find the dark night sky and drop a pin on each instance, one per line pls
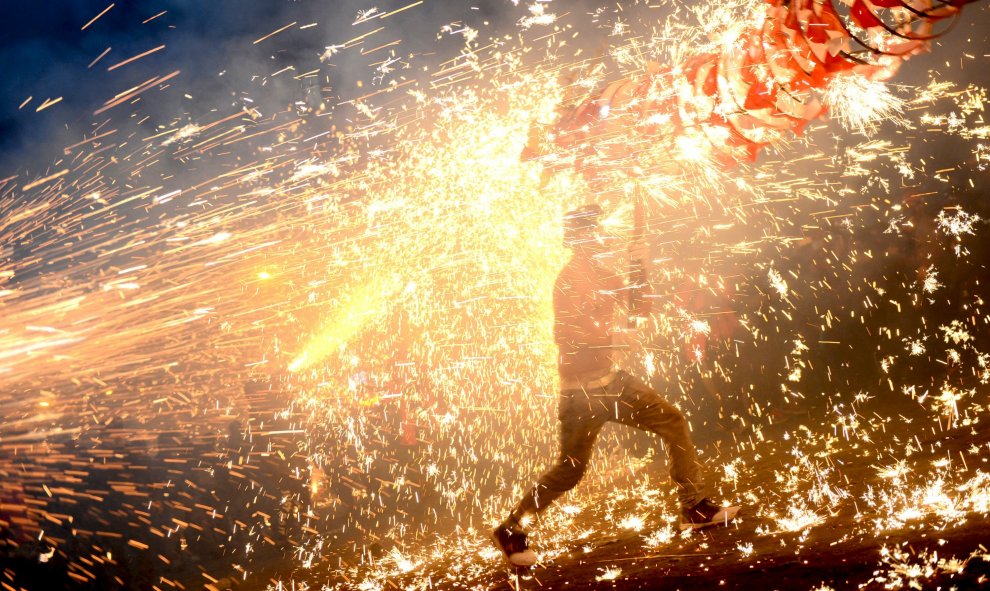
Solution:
(44, 55)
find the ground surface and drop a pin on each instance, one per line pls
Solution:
(930, 540)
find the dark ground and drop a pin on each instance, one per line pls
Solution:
(844, 551)
(835, 554)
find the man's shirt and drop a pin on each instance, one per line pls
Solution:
(584, 299)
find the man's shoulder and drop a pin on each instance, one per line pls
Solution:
(584, 276)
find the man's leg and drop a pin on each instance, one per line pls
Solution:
(578, 432)
(641, 407)
(579, 428)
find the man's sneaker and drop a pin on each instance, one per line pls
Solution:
(706, 513)
(512, 543)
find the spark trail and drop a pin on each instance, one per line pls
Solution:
(373, 308)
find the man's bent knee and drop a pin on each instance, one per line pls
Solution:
(563, 477)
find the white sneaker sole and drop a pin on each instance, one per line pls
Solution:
(723, 517)
(518, 559)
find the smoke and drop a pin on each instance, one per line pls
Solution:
(216, 47)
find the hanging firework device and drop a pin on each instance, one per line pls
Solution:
(766, 79)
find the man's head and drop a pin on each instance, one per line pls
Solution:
(581, 226)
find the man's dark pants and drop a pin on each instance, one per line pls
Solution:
(584, 411)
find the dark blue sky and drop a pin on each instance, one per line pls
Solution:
(45, 55)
